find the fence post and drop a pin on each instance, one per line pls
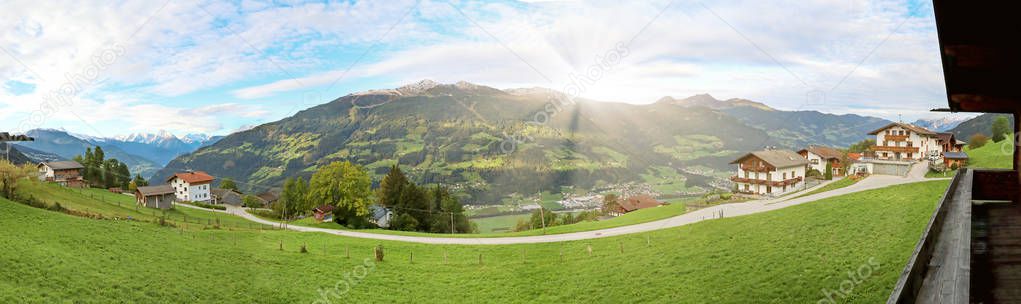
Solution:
(588, 247)
(622, 247)
(480, 259)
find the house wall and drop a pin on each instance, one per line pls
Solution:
(816, 162)
(926, 145)
(774, 174)
(191, 192)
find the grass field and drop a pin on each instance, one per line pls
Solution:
(785, 256)
(115, 205)
(844, 182)
(992, 155)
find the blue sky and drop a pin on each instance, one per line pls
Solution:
(110, 69)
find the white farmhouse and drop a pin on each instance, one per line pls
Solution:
(192, 186)
(901, 141)
(770, 172)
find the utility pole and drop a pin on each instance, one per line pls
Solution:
(542, 217)
(451, 222)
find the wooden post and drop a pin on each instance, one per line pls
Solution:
(648, 240)
(621, 247)
(444, 255)
(281, 245)
(379, 253)
(588, 247)
(411, 257)
(480, 259)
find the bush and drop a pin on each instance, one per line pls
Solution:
(726, 196)
(977, 141)
(953, 166)
(267, 214)
(813, 173)
(207, 206)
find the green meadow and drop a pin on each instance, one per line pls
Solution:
(792, 255)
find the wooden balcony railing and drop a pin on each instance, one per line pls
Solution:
(896, 137)
(778, 183)
(896, 149)
(756, 168)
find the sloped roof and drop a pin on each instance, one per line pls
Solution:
(955, 155)
(192, 177)
(324, 208)
(910, 127)
(63, 165)
(268, 196)
(776, 158)
(945, 137)
(155, 190)
(639, 202)
(824, 152)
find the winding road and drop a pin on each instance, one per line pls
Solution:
(916, 174)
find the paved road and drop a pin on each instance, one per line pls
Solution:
(916, 174)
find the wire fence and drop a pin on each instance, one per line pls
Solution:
(176, 216)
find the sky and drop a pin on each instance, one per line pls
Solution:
(111, 68)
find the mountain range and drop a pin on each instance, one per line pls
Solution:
(982, 124)
(143, 153)
(941, 124)
(488, 143)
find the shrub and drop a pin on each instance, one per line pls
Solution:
(953, 166)
(267, 214)
(977, 141)
(726, 196)
(207, 206)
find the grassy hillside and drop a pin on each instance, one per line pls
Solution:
(113, 205)
(785, 256)
(992, 155)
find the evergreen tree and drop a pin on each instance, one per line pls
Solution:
(392, 187)
(1000, 128)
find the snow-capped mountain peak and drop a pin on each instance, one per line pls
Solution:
(149, 138)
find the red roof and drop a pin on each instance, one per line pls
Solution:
(854, 156)
(638, 202)
(196, 177)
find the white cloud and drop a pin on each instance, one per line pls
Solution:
(775, 52)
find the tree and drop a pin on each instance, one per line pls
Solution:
(139, 181)
(610, 202)
(448, 212)
(392, 186)
(828, 175)
(1000, 129)
(862, 146)
(977, 141)
(9, 176)
(294, 199)
(345, 186)
(543, 218)
(228, 184)
(251, 201)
